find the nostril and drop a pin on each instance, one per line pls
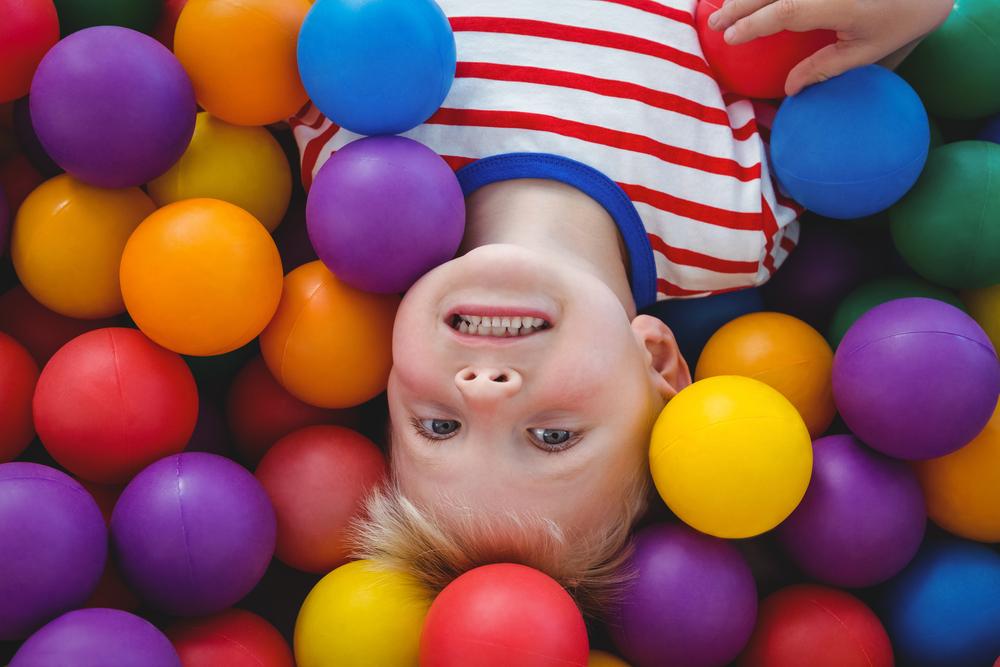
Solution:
(500, 378)
(468, 376)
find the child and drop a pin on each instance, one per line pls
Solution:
(603, 169)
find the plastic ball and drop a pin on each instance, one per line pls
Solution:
(504, 614)
(241, 57)
(193, 533)
(68, 241)
(851, 146)
(955, 69)
(984, 306)
(916, 378)
(693, 601)
(991, 131)
(942, 611)
(54, 545)
(832, 628)
(329, 345)
(782, 352)
(862, 518)
(234, 638)
(602, 659)
(112, 106)
(378, 67)
(92, 637)
(962, 489)
(379, 615)
(947, 228)
(138, 15)
(317, 479)
(866, 297)
(385, 197)
(111, 402)
(758, 68)
(18, 375)
(693, 321)
(244, 166)
(29, 29)
(730, 456)
(201, 277)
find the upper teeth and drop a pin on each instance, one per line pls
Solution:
(497, 326)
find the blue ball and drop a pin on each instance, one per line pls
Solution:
(852, 146)
(944, 609)
(693, 321)
(377, 66)
(991, 132)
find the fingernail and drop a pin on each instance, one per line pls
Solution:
(730, 34)
(714, 20)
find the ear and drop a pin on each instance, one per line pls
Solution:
(667, 367)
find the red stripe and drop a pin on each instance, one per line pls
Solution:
(456, 162)
(312, 151)
(770, 231)
(699, 260)
(688, 209)
(651, 7)
(746, 132)
(590, 36)
(598, 135)
(668, 288)
(787, 244)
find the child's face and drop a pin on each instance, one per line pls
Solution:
(554, 423)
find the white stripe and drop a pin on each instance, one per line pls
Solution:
(697, 279)
(736, 245)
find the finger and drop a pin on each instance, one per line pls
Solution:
(828, 62)
(796, 15)
(732, 11)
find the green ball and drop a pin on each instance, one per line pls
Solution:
(956, 69)
(140, 15)
(948, 227)
(866, 297)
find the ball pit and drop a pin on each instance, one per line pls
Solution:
(503, 614)
(234, 638)
(693, 601)
(18, 375)
(880, 376)
(28, 31)
(851, 146)
(730, 456)
(104, 74)
(111, 402)
(68, 242)
(138, 15)
(244, 166)
(53, 543)
(353, 58)
(385, 197)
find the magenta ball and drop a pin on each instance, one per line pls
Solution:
(97, 638)
(862, 518)
(53, 546)
(692, 604)
(193, 533)
(384, 211)
(112, 106)
(916, 378)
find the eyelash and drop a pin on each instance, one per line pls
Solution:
(423, 433)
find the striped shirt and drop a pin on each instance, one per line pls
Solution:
(622, 87)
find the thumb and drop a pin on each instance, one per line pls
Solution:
(828, 62)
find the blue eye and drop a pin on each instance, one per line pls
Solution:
(437, 429)
(553, 439)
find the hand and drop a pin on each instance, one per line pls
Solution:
(868, 31)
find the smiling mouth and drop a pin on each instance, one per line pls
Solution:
(497, 327)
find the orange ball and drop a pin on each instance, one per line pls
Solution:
(784, 353)
(329, 345)
(201, 277)
(241, 57)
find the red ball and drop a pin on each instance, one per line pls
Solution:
(317, 478)
(234, 638)
(111, 402)
(18, 375)
(260, 412)
(28, 30)
(832, 628)
(758, 68)
(501, 615)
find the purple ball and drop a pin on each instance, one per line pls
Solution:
(53, 546)
(193, 533)
(112, 106)
(97, 638)
(693, 603)
(383, 211)
(916, 378)
(862, 519)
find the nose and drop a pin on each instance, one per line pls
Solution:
(487, 384)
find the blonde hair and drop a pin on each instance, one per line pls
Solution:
(437, 545)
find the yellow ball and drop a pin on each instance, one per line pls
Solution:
(201, 277)
(241, 165)
(984, 306)
(67, 244)
(361, 616)
(731, 456)
(602, 659)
